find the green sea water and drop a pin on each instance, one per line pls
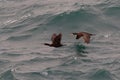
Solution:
(26, 24)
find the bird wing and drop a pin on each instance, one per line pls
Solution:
(53, 37)
(78, 36)
(56, 39)
(86, 38)
(59, 38)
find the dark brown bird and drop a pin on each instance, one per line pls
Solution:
(86, 36)
(56, 40)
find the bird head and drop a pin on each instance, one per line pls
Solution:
(74, 33)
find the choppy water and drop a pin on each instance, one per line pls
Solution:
(26, 24)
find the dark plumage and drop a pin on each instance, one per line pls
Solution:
(86, 36)
(56, 40)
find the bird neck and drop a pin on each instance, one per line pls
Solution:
(47, 44)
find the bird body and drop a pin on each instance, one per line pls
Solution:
(56, 40)
(86, 36)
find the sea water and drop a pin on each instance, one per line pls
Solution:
(26, 24)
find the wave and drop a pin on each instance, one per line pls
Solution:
(34, 76)
(79, 16)
(19, 38)
(7, 75)
(10, 54)
(101, 74)
(113, 11)
(64, 72)
(86, 18)
(26, 22)
(37, 59)
(91, 19)
(3, 62)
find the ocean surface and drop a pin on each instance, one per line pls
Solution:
(26, 24)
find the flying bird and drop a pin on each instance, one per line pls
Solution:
(86, 36)
(56, 40)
